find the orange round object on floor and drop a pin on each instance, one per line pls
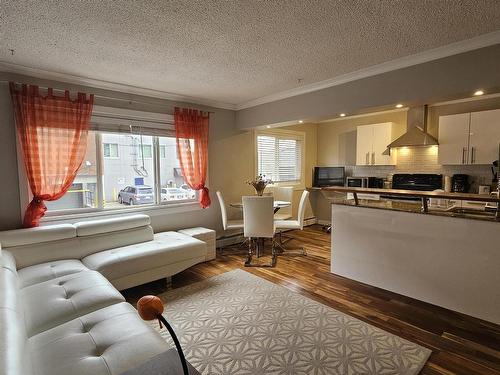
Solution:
(149, 307)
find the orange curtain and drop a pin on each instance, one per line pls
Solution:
(191, 129)
(52, 131)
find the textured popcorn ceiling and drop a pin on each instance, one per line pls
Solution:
(230, 51)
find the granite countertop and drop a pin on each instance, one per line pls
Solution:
(416, 207)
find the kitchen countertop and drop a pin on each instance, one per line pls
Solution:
(460, 209)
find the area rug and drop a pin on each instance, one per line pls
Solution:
(238, 323)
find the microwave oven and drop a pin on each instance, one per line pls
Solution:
(365, 182)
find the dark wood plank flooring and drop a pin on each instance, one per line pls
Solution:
(460, 344)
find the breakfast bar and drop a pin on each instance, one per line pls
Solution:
(446, 254)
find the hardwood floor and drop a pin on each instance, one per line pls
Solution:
(460, 344)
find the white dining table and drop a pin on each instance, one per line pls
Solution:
(277, 205)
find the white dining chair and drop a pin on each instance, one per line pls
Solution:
(228, 224)
(283, 193)
(298, 224)
(258, 224)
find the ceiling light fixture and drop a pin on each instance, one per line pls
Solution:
(342, 115)
(399, 105)
(478, 92)
(268, 126)
(301, 121)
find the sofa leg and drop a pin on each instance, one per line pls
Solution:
(168, 281)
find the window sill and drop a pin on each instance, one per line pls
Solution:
(153, 210)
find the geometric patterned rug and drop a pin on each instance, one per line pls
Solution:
(239, 323)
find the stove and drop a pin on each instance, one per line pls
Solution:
(417, 182)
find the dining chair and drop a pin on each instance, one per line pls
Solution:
(298, 224)
(227, 224)
(283, 193)
(258, 224)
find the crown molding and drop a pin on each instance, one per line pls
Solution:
(404, 109)
(106, 85)
(467, 100)
(466, 45)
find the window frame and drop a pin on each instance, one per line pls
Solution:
(284, 134)
(117, 150)
(121, 117)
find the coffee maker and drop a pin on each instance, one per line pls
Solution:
(460, 183)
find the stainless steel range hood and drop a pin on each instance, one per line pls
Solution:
(416, 134)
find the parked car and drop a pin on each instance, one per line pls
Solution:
(190, 192)
(173, 194)
(136, 194)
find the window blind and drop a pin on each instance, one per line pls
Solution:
(279, 158)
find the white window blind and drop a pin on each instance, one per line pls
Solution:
(279, 157)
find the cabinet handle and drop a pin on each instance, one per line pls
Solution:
(463, 155)
(367, 158)
(473, 155)
(373, 158)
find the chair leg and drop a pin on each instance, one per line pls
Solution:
(234, 247)
(248, 262)
(284, 251)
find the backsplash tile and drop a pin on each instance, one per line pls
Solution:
(424, 160)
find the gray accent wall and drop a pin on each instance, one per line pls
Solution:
(453, 77)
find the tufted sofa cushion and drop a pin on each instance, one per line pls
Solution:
(105, 342)
(59, 300)
(48, 271)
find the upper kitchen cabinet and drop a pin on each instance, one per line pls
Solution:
(484, 136)
(371, 144)
(469, 138)
(453, 138)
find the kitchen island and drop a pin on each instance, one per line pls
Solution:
(449, 258)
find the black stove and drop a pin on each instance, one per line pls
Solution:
(417, 182)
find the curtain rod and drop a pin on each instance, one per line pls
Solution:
(102, 96)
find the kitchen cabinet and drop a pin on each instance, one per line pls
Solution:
(371, 144)
(453, 139)
(469, 138)
(484, 136)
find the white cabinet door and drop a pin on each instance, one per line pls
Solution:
(364, 142)
(381, 138)
(484, 136)
(454, 139)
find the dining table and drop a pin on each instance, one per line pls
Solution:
(277, 206)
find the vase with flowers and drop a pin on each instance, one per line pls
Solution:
(259, 183)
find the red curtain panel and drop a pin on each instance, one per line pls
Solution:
(52, 131)
(191, 129)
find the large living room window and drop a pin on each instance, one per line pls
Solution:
(279, 156)
(129, 162)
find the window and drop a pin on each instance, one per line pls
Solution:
(174, 187)
(110, 150)
(114, 174)
(146, 151)
(279, 156)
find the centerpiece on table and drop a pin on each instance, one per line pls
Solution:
(259, 184)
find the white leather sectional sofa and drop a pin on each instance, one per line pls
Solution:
(60, 310)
